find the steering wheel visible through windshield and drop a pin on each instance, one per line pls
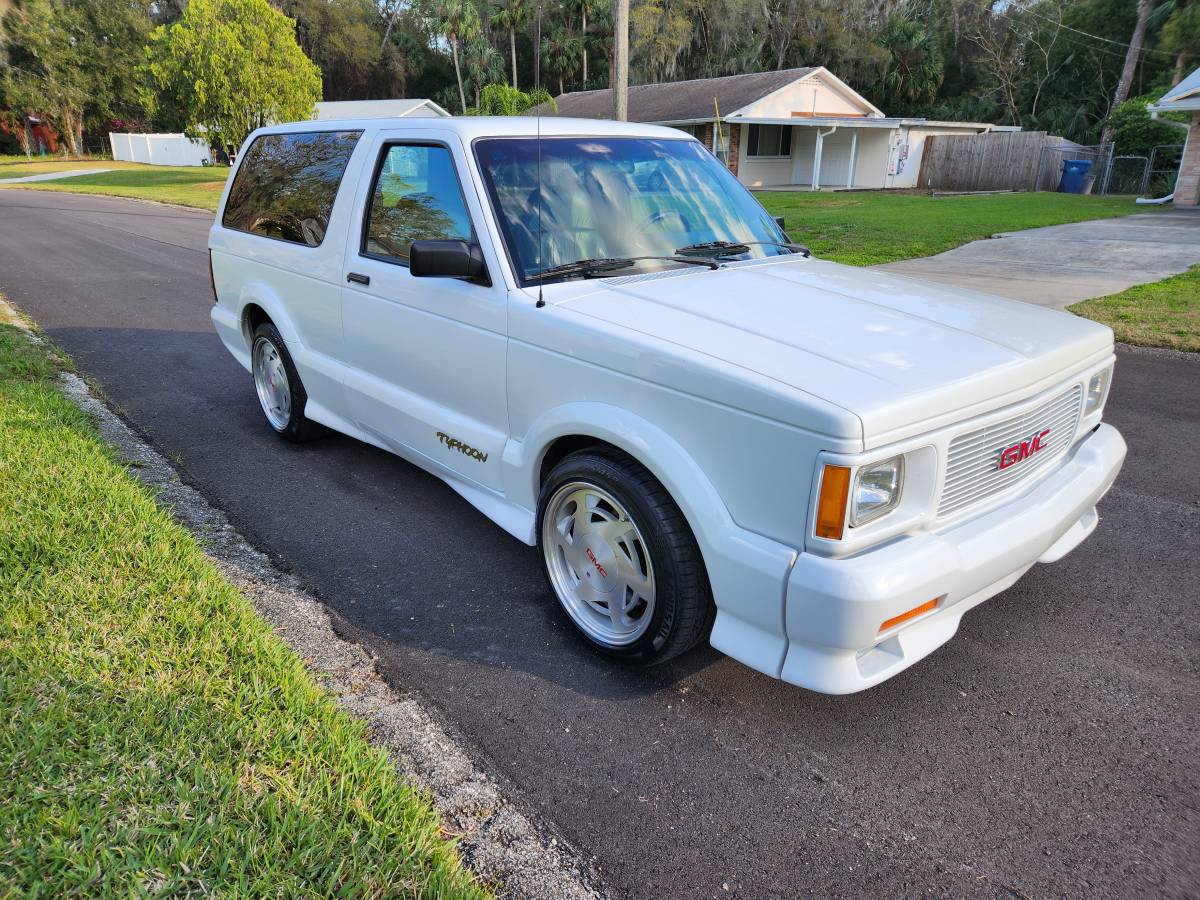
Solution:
(617, 197)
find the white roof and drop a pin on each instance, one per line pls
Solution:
(471, 127)
(1185, 95)
(376, 109)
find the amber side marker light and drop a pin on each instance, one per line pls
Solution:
(831, 506)
(911, 614)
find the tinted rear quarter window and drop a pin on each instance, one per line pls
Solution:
(286, 185)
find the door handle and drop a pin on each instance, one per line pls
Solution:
(358, 279)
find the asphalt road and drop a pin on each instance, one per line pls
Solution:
(1050, 749)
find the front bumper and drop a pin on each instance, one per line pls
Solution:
(834, 607)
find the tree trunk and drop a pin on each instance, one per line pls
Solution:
(561, 89)
(584, 42)
(462, 97)
(1131, 60)
(387, 32)
(1181, 61)
(512, 46)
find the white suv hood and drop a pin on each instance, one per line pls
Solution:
(894, 351)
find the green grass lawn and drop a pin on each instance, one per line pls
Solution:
(1160, 314)
(156, 737)
(865, 229)
(198, 186)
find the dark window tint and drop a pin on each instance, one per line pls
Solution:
(416, 197)
(769, 140)
(287, 183)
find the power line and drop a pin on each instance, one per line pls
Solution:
(1142, 49)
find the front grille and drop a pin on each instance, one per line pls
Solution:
(972, 465)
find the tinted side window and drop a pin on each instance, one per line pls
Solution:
(416, 196)
(287, 183)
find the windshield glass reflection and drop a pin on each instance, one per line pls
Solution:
(616, 197)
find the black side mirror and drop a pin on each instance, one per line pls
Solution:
(446, 259)
(780, 223)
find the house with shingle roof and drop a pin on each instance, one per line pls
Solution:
(795, 128)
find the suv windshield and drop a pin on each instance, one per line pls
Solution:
(617, 198)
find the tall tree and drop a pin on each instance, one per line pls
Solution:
(232, 66)
(587, 14)
(914, 69)
(511, 15)
(1180, 34)
(562, 51)
(1132, 54)
(483, 63)
(457, 21)
(74, 62)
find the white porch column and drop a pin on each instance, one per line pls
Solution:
(816, 175)
(853, 157)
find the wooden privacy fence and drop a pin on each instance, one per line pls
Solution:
(996, 161)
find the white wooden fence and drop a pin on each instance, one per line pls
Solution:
(158, 149)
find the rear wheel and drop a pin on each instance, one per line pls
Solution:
(280, 391)
(621, 559)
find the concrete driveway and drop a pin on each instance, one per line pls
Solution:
(1063, 264)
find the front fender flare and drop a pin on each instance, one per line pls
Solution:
(748, 572)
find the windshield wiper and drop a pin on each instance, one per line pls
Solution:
(732, 248)
(589, 267)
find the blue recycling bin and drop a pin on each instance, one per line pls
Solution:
(1073, 175)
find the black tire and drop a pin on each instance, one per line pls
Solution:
(683, 609)
(298, 428)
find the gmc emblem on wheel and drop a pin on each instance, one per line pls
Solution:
(595, 562)
(1010, 456)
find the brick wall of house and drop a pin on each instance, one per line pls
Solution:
(735, 139)
(707, 137)
(1187, 188)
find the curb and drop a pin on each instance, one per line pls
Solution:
(505, 848)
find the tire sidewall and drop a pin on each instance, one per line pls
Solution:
(297, 425)
(602, 471)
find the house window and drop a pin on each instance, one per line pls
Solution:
(769, 140)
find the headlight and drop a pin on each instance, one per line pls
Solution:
(1096, 390)
(876, 490)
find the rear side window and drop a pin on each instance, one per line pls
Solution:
(287, 183)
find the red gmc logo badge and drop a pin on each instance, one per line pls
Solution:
(1010, 456)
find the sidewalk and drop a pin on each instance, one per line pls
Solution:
(53, 176)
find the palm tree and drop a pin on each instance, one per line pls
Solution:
(457, 21)
(562, 51)
(585, 8)
(915, 67)
(511, 15)
(483, 64)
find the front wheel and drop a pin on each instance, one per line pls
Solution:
(621, 559)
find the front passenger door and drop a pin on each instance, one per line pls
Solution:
(425, 356)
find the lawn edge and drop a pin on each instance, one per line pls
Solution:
(505, 848)
(34, 186)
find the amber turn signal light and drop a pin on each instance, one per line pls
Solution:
(831, 507)
(911, 614)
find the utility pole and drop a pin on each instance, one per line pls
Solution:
(621, 60)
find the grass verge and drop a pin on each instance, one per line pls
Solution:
(157, 737)
(198, 186)
(865, 229)
(1160, 314)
